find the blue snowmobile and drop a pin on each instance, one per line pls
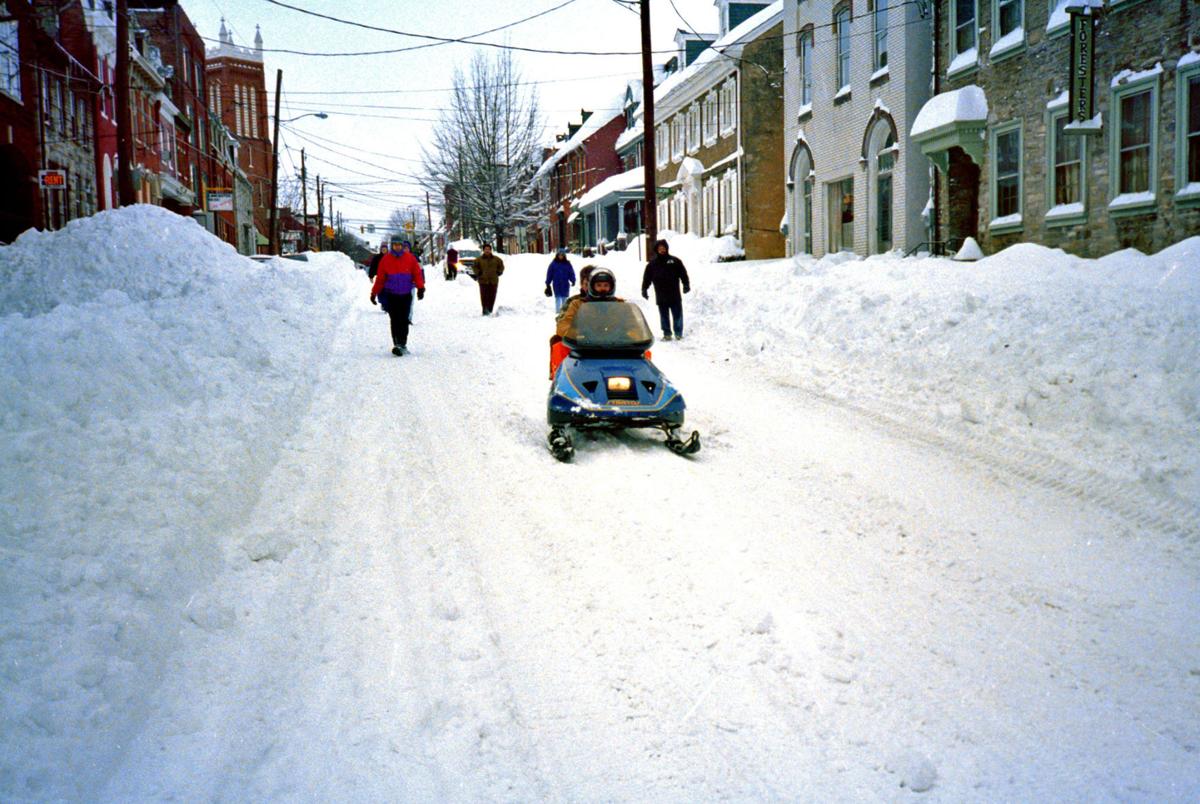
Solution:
(605, 380)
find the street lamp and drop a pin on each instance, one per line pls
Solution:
(321, 115)
(273, 237)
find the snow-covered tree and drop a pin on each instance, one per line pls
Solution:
(485, 150)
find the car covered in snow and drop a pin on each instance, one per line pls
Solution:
(468, 252)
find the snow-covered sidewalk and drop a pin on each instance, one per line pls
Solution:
(313, 570)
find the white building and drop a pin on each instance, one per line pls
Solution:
(856, 74)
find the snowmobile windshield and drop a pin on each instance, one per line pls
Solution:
(609, 326)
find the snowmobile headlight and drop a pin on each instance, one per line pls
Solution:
(619, 384)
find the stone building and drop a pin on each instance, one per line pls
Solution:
(718, 142)
(1013, 166)
(237, 95)
(856, 74)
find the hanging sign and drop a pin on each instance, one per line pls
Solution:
(1083, 62)
(52, 179)
(220, 199)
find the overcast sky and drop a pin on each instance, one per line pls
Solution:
(380, 135)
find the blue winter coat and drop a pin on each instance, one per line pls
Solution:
(560, 275)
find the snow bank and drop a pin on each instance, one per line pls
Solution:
(1091, 359)
(150, 376)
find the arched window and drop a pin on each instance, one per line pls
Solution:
(800, 186)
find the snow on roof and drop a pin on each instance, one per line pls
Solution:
(968, 104)
(736, 37)
(622, 181)
(599, 119)
(629, 135)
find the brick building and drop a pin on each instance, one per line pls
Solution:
(586, 156)
(718, 139)
(237, 87)
(856, 76)
(1010, 167)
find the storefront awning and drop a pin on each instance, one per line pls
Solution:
(952, 119)
(571, 218)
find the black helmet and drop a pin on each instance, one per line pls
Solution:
(601, 275)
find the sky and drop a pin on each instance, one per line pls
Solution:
(383, 107)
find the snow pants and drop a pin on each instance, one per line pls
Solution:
(668, 311)
(397, 306)
(487, 297)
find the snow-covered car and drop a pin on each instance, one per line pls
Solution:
(262, 257)
(468, 251)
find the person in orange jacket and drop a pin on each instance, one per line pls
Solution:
(399, 272)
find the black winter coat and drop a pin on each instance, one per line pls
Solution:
(666, 273)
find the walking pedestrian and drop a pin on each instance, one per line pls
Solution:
(488, 269)
(451, 263)
(408, 245)
(399, 272)
(373, 267)
(667, 272)
(560, 276)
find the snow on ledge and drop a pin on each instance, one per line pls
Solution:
(844, 92)
(963, 61)
(1061, 100)
(968, 104)
(804, 109)
(1095, 124)
(1129, 76)
(1010, 41)
(1190, 190)
(1006, 220)
(1064, 211)
(1125, 200)
(880, 73)
(1191, 57)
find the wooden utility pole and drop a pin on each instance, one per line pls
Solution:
(650, 196)
(429, 220)
(274, 235)
(304, 196)
(320, 214)
(125, 192)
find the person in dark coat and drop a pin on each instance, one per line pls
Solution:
(451, 263)
(373, 267)
(488, 268)
(560, 276)
(666, 272)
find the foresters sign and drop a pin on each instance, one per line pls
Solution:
(1083, 59)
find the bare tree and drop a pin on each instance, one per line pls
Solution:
(485, 150)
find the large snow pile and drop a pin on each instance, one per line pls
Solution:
(148, 376)
(1094, 361)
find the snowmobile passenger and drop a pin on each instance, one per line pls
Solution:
(560, 276)
(598, 286)
(488, 268)
(666, 272)
(398, 273)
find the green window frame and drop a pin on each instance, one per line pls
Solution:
(1066, 170)
(1187, 133)
(1007, 16)
(1133, 145)
(1006, 178)
(964, 30)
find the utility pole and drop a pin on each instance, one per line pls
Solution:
(320, 215)
(429, 220)
(274, 235)
(304, 196)
(125, 191)
(650, 197)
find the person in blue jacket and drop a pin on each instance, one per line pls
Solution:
(559, 278)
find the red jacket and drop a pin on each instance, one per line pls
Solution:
(398, 274)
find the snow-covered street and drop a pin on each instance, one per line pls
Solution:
(266, 560)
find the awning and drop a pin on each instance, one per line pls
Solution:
(571, 218)
(956, 118)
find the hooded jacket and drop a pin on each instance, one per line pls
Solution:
(398, 274)
(488, 268)
(561, 275)
(666, 273)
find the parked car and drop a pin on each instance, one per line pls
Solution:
(262, 257)
(468, 251)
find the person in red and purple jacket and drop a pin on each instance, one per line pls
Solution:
(399, 272)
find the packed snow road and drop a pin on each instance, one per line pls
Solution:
(424, 605)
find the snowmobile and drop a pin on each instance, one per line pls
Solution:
(602, 379)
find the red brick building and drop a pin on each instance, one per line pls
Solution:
(237, 88)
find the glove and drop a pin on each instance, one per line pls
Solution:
(373, 299)
(645, 294)
(687, 289)
(548, 293)
(420, 293)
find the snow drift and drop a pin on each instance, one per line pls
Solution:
(149, 376)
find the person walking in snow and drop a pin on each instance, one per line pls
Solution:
(399, 272)
(408, 245)
(451, 263)
(666, 272)
(488, 268)
(560, 276)
(373, 267)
